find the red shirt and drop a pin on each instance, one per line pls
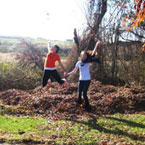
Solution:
(51, 58)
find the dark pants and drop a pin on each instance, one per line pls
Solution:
(51, 74)
(83, 88)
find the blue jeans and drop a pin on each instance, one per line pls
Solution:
(83, 88)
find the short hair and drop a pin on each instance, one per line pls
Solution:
(57, 47)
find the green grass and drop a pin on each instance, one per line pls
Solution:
(112, 129)
(9, 40)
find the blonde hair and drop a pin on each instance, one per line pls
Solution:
(90, 52)
(83, 53)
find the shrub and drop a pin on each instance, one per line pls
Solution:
(12, 75)
(31, 56)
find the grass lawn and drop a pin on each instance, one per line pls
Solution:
(111, 129)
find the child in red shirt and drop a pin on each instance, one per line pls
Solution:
(49, 66)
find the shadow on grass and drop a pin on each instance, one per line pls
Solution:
(91, 123)
(128, 122)
(25, 141)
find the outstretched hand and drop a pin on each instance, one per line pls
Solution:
(65, 74)
(99, 43)
(96, 47)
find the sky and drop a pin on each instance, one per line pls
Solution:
(50, 19)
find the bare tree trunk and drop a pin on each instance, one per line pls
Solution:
(98, 16)
(76, 39)
(95, 15)
(114, 54)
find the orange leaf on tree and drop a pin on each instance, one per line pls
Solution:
(123, 24)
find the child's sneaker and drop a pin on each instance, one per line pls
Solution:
(88, 108)
(65, 83)
(79, 101)
(48, 83)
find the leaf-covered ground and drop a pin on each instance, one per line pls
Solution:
(57, 102)
(117, 116)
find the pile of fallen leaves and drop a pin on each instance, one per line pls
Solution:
(57, 102)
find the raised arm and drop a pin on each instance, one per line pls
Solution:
(96, 47)
(48, 46)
